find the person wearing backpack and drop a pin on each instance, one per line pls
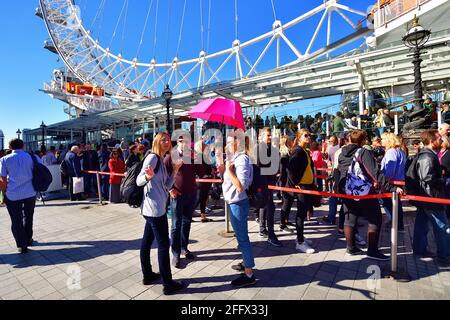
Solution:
(359, 175)
(267, 162)
(157, 182)
(300, 174)
(16, 184)
(431, 184)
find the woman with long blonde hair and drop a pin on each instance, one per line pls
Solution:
(393, 168)
(300, 174)
(156, 182)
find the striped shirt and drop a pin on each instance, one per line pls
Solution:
(18, 168)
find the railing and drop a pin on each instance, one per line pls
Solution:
(392, 9)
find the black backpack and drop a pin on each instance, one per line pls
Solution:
(257, 183)
(412, 180)
(64, 168)
(130, 192)
(42, 177)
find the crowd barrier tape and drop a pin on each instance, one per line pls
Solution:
(329, 194)
(324, 169)
(319, 193)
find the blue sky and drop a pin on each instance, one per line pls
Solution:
(25, 65)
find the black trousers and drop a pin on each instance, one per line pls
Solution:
(21, 213)
(266, 211)
(304, 202)
(156, 228)
(203, 195)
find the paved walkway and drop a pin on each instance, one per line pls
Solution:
(103, 243)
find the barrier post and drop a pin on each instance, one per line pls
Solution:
(394, 272)
(227, 233)
(99, 189)
(439, 114)
(396, 124)
(394, 232)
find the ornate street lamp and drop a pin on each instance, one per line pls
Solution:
(415, 38)
(167, 95)
(18, 132)
(43, 126)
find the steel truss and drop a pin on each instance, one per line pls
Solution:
(137, 80)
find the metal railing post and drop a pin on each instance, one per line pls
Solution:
(394, 232)
(99, 189)
(396, 124)
(227, 233)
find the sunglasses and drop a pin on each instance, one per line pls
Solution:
(307, 135)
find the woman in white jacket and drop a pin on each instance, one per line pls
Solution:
(156, 182)
(237, 177)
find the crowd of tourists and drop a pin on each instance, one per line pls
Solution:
(375, 123)
(167, 173)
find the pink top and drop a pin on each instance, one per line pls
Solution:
(317, 158)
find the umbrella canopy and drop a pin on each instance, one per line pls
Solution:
(219, 110)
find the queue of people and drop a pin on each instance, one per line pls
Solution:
(168, 178)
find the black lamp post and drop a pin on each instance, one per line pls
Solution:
(18, 132)
(167, 95)
(415, 38)
(43, 126)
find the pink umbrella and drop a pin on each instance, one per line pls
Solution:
(219, 110)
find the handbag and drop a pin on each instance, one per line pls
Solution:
(78, 185)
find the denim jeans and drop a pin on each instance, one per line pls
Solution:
(104, 186)
(21, 213)
(182, 209)
(332, 209)
(387, 205)
(438, 219)
(156, 228)
(238, 216)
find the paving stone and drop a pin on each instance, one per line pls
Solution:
(105, 246)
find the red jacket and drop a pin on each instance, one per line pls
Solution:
(116, 166)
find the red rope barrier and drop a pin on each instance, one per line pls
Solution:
(324, 169)
(104, 173)
(329, 194)
(208, 180)
(426, 199)
(317, 193)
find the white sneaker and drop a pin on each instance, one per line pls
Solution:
(308, 242)
(304, 247)
(359, 240)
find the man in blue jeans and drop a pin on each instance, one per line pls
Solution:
(432, 184)
(16, 175)
(183, 199)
